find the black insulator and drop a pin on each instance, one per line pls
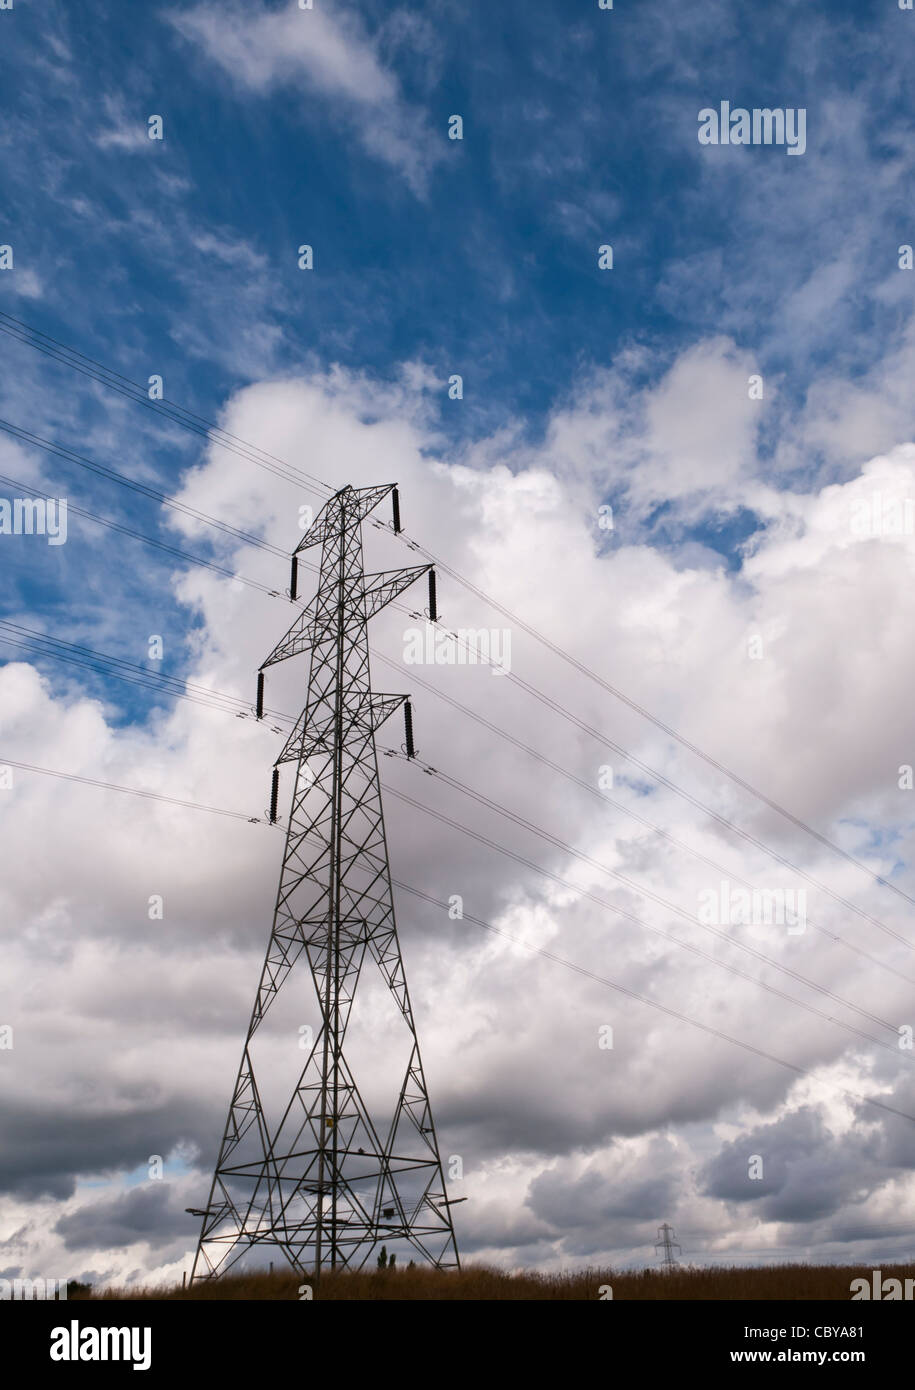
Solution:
(274, 795)
(433, 601)
(408, 728)
(294, 579)
(395, 500)
(260, 694)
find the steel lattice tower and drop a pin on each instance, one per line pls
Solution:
(668, 1245)
(314, 1173)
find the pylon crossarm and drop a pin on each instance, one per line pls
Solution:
(300, 637)
(357, 502)
(383, 706)
(374, 711)
(381, 589)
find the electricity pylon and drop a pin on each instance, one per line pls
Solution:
(668, 1244)
(315, 1169)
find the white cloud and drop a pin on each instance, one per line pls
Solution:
(24, 282)
(150, 1015)
(126, 130)
(317, 54)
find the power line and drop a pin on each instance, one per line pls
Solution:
(413, 545)
(201, 516)
(42, 342)
(133, 673)
(659, 723)
(233, 705)
(723, 821)
(176, 414)
(501, 849)
(607, 801)
(640, 921)
(237, 707)
(216, 698)
(113, 476)
(172, 682)
(652, 896)
(29, 489)
(642, 998)
(129, 680)
(131, 791)
(581, 970)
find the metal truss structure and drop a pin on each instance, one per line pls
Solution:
(322, 1174)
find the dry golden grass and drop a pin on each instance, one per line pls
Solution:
(478, 1282)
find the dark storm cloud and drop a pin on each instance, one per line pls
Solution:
(595, 1198)
(153, 1213)
(43, 1153)
(808, 1173)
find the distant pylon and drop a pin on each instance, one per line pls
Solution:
(668, 1244)
(319, 1166)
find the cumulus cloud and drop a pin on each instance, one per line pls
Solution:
(144, 1214)
(570, 1150)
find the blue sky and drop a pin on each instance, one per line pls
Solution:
(479, 257)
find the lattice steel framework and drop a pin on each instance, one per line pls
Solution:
(320, 1177)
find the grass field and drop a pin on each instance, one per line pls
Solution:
(477, 1282)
